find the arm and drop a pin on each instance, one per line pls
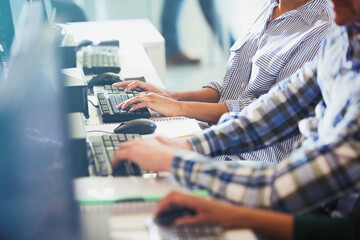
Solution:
(317, 172)
(203, 95)
(311, 175)
(270, 120)
(208, 112)
(270, 224)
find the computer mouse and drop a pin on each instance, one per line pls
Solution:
(137, 126)
(83, 43)
(102, 79)
(168, 217)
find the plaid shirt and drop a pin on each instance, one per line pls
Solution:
(323, 100)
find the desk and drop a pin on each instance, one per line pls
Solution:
(131, 225)
(140, 31)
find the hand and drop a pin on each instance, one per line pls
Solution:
(181, 143)
(142, 87)
(149, 153)
(215, 212)
(160, 104)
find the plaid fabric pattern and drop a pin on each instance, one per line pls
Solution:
(323, 99)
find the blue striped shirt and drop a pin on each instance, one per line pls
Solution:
(323, 100)
(269, 53)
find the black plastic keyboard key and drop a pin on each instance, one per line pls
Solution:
(121, 137)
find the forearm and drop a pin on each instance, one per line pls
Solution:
(208, 95)
(207, 112)
(270, 224)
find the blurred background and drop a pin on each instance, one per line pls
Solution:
(196, 39)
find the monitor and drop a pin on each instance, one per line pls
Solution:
(9, 17)
(36, 198)
(50, 10)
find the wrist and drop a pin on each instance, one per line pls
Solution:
(179, 108)
(174, 95)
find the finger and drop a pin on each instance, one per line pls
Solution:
(129, 102)
(135, 85)
(119, 155)
(176, 198)
(196, 219)
(140, 105)
(120, 105)
(122, 84)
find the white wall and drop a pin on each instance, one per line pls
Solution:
(196, 38)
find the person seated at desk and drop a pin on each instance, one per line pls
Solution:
(322, 99)
(266, 223)
(286, 34)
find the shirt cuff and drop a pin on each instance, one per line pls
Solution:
(214, 85)
(233, 105)
(183, 164)
(199, 143)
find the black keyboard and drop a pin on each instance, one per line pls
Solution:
(110, 98)
(185, 232)
(100, 59)
(101, 151)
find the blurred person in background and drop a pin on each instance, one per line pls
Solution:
(169, 22)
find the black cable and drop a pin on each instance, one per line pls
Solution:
(100, 131)
(96, 106)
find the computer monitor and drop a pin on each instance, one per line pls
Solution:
(50, 10)
(9, 17)
(36, 198)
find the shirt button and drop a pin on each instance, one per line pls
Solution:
(250, 60)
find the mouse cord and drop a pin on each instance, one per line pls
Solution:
(95, 106)
(99, 131)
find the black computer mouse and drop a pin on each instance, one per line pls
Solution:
(83, 43)
(168, 217)
(137, 126)
(102, 79)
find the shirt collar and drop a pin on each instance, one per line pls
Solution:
(310, 10)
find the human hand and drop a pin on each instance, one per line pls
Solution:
(142, 87)
(149, 153)
(157, 103)
(206, 211)
(181, 143)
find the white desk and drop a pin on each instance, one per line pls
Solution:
(138, 31)
(124, 225)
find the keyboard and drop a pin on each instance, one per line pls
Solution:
(101, 150)
(185, 232)
(110, 98)
(99, 59)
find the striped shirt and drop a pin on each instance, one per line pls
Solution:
(322, 99)
(269, 53)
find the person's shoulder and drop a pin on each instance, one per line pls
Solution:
(335, 34)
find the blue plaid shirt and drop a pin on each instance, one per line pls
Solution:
(323, 100)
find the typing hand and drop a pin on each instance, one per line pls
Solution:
(142, 87)
(157, 103)
(149, 154)
(181, 143)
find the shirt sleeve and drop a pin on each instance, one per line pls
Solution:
(271, 119)
(312, 174)
(309, 176)
(325, 228)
